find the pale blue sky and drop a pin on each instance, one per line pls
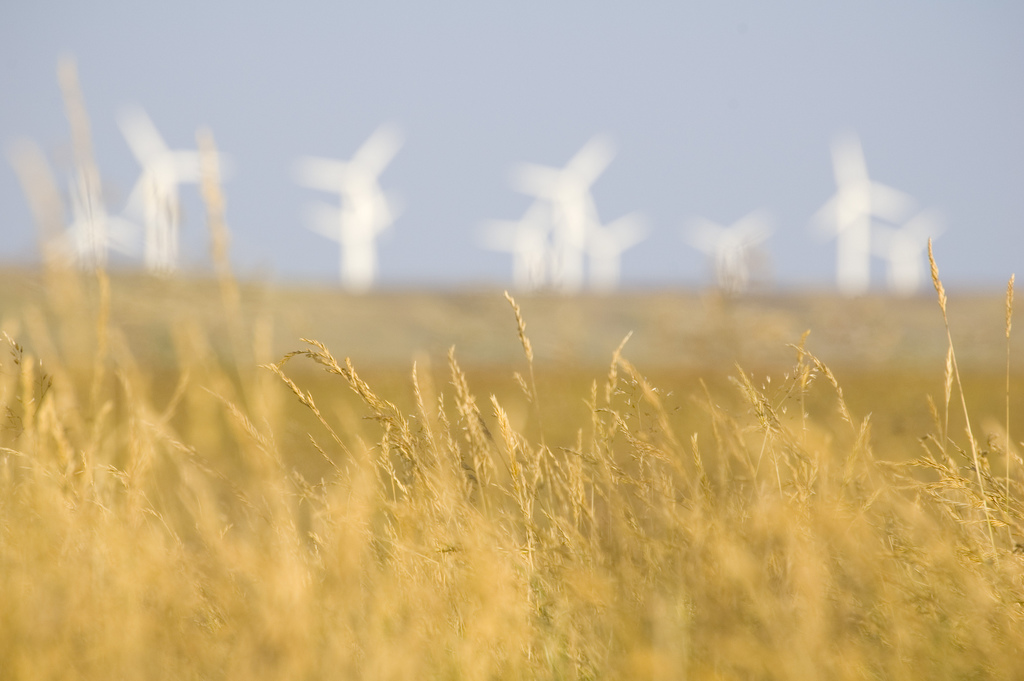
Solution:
(717, 109)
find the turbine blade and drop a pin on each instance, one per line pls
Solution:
(848, 160)
(628, 230)
(927, 224)
(321, 173)
(378, 150)
(184, 165)
(136, 203)
(704, 235)
(890, 204)
(753, 228)
(535, 180)
(143, 138)
(592, 160)
(324, 219)
(824, 220)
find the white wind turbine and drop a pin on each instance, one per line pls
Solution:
(606, 246)
(527, 239)
(729, 247)
(904, 248)
(365, 210)
(852, 211)
(155, 196)
(574, 214)
(93, 231)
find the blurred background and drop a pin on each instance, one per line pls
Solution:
(713, 110)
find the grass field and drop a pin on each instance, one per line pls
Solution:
(190, 491)
(460, 486)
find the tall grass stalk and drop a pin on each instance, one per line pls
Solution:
(1007, 447)
(954, 371)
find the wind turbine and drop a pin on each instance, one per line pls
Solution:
(365, 210)
(852, 211)
(155, 195)
(729, 247)
(904, 249)
(93, 232)
(527, 239)
(574, 214)
(606, 246)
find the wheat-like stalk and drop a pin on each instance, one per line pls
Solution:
(955, 372)
(530, 389)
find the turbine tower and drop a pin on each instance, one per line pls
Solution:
(852, 211)
(606, 246)
(903, 248)
(365, 210)
(574, 215)
(729, 247)
(154, 198)
(527, 239)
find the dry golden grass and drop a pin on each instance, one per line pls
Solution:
(224, 513)
(226, 521)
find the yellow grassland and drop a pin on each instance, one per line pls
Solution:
(206, 508)
(188, 490)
